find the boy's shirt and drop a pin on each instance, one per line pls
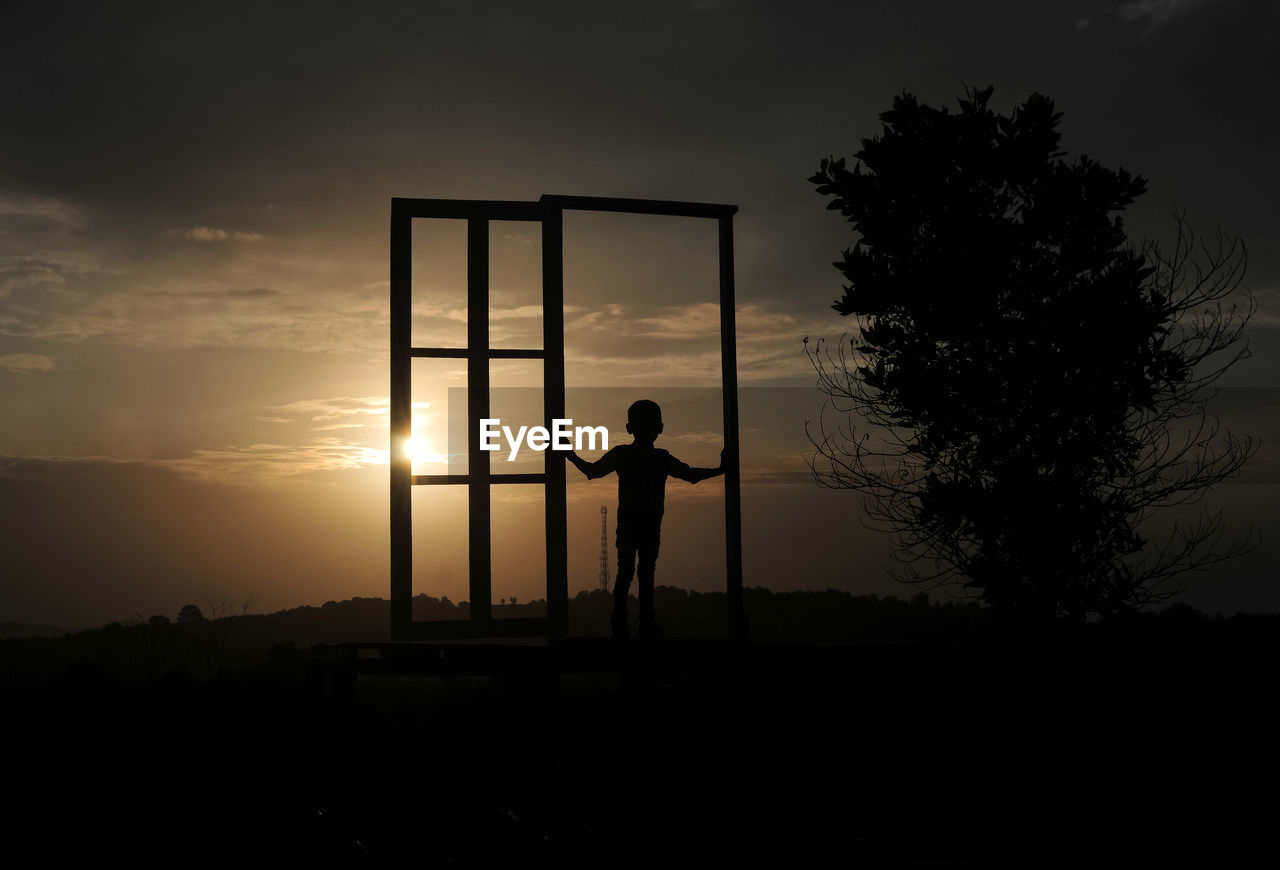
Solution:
(642, 481)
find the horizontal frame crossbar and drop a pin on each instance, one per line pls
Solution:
(640, 206)
(513, 210)
(465, 209)
(463, 353)
(538, 477)
(461, 629)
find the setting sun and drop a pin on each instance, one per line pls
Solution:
(418, 449)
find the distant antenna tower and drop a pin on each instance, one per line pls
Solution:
(604, 547)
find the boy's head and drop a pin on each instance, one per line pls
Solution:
(644, 420)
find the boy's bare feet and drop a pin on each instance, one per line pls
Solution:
(618, 628)
(650, 629)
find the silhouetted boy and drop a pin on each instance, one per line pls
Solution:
(642, 479)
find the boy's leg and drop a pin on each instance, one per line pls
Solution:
(622, 585)
(647, 550)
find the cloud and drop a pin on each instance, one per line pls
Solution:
(215, 234)
(235, 293)
(705, 436)
(206, 234)
(1268, 313)
(296, 298)
(518, 313)
(1157, 13)
(774, 477)
(618, 344)
(307, 437)
(300, 299)
(60, 282)
(46, 208)
(336, 426)
(205, 317)
(26, 363)
(262, 464)
(335, 408)
(350, 435)
(259, 464)
(251, 293)
(42, 245)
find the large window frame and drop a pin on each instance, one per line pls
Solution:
(549, 212)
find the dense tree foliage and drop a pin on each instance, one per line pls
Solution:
(1025, 386)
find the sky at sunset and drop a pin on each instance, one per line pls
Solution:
(194, 209)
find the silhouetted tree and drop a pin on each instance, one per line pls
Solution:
(1036, 383)
(190, 613)
(225, 615)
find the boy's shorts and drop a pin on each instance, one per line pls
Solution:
(640, 540)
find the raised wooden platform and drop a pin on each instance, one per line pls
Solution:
(335, 668)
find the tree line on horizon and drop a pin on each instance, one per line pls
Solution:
(147, 651)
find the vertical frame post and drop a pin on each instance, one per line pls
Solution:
(401, 422)
(553, 408)
(729, 394)
(479, 532)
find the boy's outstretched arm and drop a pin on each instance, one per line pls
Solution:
(592, 470)
(693, 475)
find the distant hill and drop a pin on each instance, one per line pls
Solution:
(828, 616)
(25, 629)
(145, 652)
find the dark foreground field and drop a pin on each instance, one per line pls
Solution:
(1137, 751)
